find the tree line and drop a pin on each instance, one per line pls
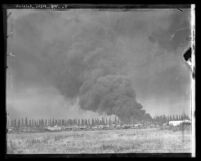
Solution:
(25, 122)
(39, 123)
(164, 118)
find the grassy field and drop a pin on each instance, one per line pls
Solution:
(102, 141)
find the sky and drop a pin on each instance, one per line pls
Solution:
(56, 53)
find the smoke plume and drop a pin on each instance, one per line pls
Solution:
(112, 94)
(81, 67)
(94, 57)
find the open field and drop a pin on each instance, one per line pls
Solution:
(100, 141)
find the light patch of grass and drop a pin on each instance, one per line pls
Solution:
(108, 141)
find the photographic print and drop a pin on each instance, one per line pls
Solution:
(90, 80)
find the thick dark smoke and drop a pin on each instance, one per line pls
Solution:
(111, 94)
(99, 86)
(82, 59)
(94, 77)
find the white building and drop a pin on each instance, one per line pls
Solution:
(54, 128)
(179, 122)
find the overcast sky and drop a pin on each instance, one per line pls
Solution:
(53, 49)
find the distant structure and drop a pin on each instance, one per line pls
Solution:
(54, 128)
(179, 122)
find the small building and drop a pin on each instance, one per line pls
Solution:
(179, 122)
(54, 128)
(138, 125)
(126, 126)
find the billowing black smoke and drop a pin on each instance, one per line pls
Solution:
(111, 94)
(87, 66)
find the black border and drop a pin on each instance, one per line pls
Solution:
(66, 6)
(113, 6)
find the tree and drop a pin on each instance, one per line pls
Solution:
(93, 122)
(51, 122)
(82, 122)
(32, 123)
(74, 121)
(26, 122)
(45, 122)
(36, 123)
(11, 123)
(55, 122)
(96, 121)
(65, 122)
(22, 122)
(42, 122)
(29, 125)
(39, 122)
(59, 122)
(15, 123)
(187, 117)
(168, 118)
(110, 121)
(62, 122)
(18, 123)
(116, 120)
(78, 122)
(88, 122)
(8, 123)
(70, 121)
(106, 121)
(102, 121)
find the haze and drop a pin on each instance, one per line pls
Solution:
(58, 55)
